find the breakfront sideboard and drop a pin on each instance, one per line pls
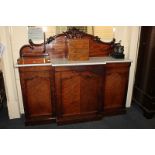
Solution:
(56, 89)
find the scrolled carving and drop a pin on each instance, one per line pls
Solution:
(96, 38)
(50, 39)
(56, 45)
(74, 33)
(32, 44)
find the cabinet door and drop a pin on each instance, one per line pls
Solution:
(36, 83)
(79, 93)
(116, 84)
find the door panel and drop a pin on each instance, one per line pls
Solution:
(70, 84)
(36, 83)
(79, 92)
(91, 88)
(116, 83)
(38, 96)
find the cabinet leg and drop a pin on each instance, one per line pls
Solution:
(148, 115)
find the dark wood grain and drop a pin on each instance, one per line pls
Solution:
(36, 85)
(79, 93)
(78, 49)
(116, 84)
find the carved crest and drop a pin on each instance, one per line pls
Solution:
(74, 33)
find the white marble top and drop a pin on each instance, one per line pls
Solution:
(65, 62)
(31, 65)
(91, 61)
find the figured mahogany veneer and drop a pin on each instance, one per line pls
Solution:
(79, 92)
(37, 89)
(115, 90)
(73, 93)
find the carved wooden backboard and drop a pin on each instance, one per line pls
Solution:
(56, 46)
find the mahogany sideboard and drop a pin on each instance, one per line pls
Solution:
(57, 89)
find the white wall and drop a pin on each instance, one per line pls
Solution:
(123, 33)
(19, 37)
(105, 33)
(129, 35)
(133, 47)
(9, 74)
(14, 37)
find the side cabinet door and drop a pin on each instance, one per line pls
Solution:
(116, 84)
(37, 94)
(79, 93)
